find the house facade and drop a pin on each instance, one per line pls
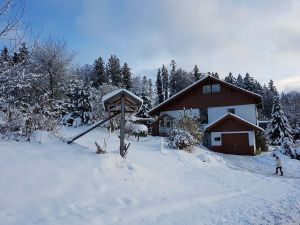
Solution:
(228, 114)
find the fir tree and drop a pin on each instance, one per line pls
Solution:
(230, 79)
(100, 74)
(159, 87)
(173, 78)
(279, 126)
(165, 81)
(216, 75)
(239, 81)
(196, 73)
(248, 82)
(126, 75)
(114, 71)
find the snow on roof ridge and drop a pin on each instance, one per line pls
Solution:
(234, 115)
(190, 86)
(115, 92)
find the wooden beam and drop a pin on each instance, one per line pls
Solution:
(122, 128)
(92, 127)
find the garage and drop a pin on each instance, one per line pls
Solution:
(232, 135)
(237, 144)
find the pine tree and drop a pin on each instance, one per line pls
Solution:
(230, 79)
(165, 81)
(216, 75)
(196, 73)
(114, 71)
(159, 87)
(100, 76)
(239, 81)
(173, 78)
(126, 75)
(279, 126)
(248, 82)
(150, 92)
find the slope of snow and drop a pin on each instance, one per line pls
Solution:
(56, 183)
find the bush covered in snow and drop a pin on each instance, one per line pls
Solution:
(288, 147)
(191, 125)
(137, 130)
(180, 139)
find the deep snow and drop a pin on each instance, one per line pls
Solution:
(57, 183)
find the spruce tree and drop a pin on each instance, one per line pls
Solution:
(126, 75)
(196, 73)
(230, 79)
(165, 81)
(100, 76)
(248, 82)
(159, 87)
(279, 126)
(239, 81)
(173, 78)
(114, 71)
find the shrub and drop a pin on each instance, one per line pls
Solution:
(191, 125)
(137, 130)
(180, 139)
(261, 143)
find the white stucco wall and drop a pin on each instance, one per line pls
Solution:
(247, 112)
(251, 137)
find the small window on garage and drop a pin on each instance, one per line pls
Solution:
(231, 110)
(218, 139)
(215, 88)
(206, 89)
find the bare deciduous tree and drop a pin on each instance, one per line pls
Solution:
(52, 59)
(11, 27)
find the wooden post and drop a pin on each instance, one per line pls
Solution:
(122, 127)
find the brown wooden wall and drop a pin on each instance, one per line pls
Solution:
(194, 98)
(249, 150)
(231, 125)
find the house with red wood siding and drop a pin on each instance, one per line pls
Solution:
(228, 114)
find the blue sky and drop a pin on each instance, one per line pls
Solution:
(239, 36)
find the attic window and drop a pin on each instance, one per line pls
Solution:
(206, 89)
(215, 88)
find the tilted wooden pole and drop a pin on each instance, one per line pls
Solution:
(122, 128)
(93, 126)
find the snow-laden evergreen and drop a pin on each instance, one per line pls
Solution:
(279, 126)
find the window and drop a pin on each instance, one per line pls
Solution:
(203, 115)
(217, 138)
(231, 110)
(215, 88)
(206, 89)
(168, 124)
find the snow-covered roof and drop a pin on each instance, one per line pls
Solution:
(196, 83)
(119, 91)
(234, 116)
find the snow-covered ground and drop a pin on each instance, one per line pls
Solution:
(56, 183)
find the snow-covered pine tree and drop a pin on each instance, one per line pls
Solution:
(196, 73)
(159, 87)
(100, 76)
(126, 75)
(173, 78)
(216, 75)
(230, 79)
(165, 81)
(248, 82)
(114, 71)
(279, 126)
(150, 92)
(239, 81)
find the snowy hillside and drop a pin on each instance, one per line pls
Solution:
(56, 183)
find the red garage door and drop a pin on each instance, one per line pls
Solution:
(237, 144)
